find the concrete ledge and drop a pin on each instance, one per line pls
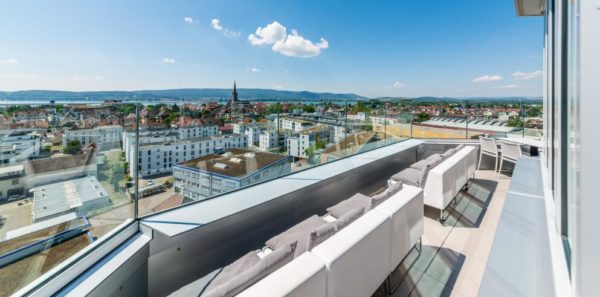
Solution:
(521, 262)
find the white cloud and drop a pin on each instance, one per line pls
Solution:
(278, 87)
(168, 61)
(399, 84)
(252, 69)
(487, 78)
(188, 20)
(511, 86)
(88, 78)
(291, 45)
(523, 75)
(216, 24)
(9, 61)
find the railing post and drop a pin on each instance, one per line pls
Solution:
(137, 164)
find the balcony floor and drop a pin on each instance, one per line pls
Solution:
(455, 253)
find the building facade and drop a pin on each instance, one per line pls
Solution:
(160, 157)
(105, 137)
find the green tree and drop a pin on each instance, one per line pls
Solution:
(72, 147)
(514, 122)
(534, 111)
(421, 117)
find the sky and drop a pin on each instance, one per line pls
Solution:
(463, 48)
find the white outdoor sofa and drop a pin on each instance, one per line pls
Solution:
(355, 260)
(445, 180)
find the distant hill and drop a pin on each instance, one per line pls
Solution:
(173, 95)
(219, 94)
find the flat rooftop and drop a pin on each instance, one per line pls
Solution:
(234, 163)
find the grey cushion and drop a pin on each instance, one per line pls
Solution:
(459, 147)
(389, 192)
(348, 218)
(299, 233)
(356, 201)
(434, 161)
(448, 153)
(434, 156)
(321, 234)
(234, 269)
(412, 176)
(256, 272)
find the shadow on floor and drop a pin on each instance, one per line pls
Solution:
(469, 206)
(431, 273)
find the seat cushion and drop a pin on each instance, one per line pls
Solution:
(299, 233)
(409, 176)
(387, 193)
(247, 277)
(356, 201)
(348, 218)
(434, 156)
(412, 176)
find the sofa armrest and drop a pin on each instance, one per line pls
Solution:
(357, 257)
(406, 212)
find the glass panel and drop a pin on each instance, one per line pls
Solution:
(438, 120)
(64, 181)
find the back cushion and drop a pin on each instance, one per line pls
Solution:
(356, 201)
(348, 218)
(423, 177)
(389, 192)
(448, 153)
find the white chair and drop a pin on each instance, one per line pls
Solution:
(511, 152)
(489, 148)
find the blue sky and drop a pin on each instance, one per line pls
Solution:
(373, 48)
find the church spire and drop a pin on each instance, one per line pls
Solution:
(234, 94)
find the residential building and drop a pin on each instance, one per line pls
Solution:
(214, 174)
(160, 157)
(105, 137)
(166, 135)
(297, 145)
(11, 182)
(20, 145)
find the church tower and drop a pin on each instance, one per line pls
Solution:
(234, 94)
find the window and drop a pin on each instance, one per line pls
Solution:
(15, 181)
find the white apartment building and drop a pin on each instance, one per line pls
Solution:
(383, 120)
(215, 174)
(294, 124)
(160, 157)
(11, 181)
(239, 128)
(166, 135)
(268, 140)
(297, 145)
(105, 137)
(253, 135)
(359, 116)
(339, 133)
(18, 146)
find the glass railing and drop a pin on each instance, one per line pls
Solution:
(70, 173)
(64, 183)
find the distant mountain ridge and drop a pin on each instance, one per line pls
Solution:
(175, 95)
(217, 94)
